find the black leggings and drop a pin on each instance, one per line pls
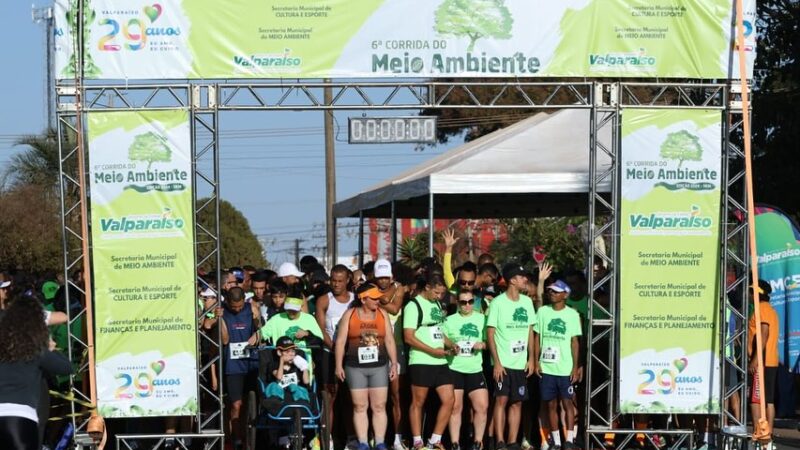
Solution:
(18, 433)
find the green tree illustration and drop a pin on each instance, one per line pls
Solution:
(90, 70)
(474, 19)
(520, 315)
(683, 146)
(436, 314)
(557, 326)
(292, 332)
(149, 147)
(470, 330)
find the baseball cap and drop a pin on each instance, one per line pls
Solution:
(49, 289)
(560, 286)
(285, 343)
(511, 270)
(238, 274)
(4, 284)
(293, 304)
(208, 292)
(383, 269)
(288, 269)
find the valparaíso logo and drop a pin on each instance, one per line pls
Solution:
(692, 220)
(278, 61)
(779, 255)
(637, 61)
(153, 222)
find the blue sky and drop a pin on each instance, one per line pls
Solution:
(272, 163)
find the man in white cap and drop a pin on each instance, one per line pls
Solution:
(292, 276)
(392, 302)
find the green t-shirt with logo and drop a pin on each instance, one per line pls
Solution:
(429, 332)
(512, 321)
(281, 325)
(465, 331)
(556, 330)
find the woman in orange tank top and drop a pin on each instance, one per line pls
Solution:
(366, 357)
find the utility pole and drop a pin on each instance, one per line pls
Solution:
(45, 15)
(330, 180)
(297, 252)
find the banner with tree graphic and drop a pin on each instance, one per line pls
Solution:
(140, 171)
(670, 255)
(180, 39)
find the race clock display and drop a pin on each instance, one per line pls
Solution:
(392, 130)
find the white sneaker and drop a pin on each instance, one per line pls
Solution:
(399, 446)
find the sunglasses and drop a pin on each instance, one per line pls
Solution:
(466, 282)
(465, 302)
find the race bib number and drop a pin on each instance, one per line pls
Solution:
(518, 347)
(288, 378)
(465, 348)
(436, 334)
(238, 350)
(368, 354)
(551, 355)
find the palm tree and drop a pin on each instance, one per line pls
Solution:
(38, 164)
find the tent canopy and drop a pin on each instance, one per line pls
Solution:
(537, 167)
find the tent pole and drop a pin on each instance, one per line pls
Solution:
(431, 226)
(360, 238)
(393, 257)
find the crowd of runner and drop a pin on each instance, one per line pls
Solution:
(427, 356)
(483, 355)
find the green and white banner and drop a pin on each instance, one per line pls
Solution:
(143, 258)
(670, 256)
(189, 39)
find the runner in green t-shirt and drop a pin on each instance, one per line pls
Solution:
(423, 317)
(299, 326)
(510, 335)
(467, 329)
(558, 331)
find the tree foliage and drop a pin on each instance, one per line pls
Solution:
(558, 238)
(239, 244)
(474, 19)
(30, 227)
(776, 117)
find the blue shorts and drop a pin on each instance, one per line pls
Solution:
(554, 386)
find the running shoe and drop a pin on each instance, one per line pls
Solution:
(455, 446)
(399, 446)
(571, 446)
(476, 446)
(436, 446)
(525, 445)
(381, 446)
(363, 446)
(500, 445)
(513, 446)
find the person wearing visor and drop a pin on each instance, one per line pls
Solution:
(467, 329)
(557, 343)
(301, 327)
(391, 301)
(293, 278)
(366, 359)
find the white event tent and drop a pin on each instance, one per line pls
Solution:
(537, 167)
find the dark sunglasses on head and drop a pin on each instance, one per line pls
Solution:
(466, 282)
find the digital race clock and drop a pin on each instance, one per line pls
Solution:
(392, 130)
